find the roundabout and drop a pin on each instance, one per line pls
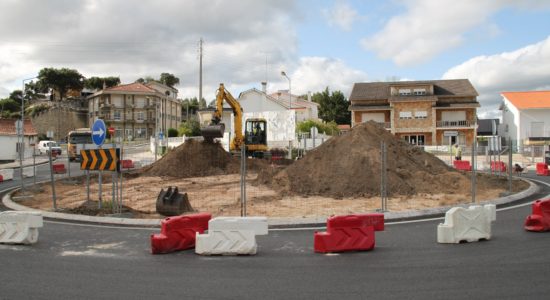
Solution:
(83, 260)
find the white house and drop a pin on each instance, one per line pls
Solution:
(526, 117)
(9, 139)
(275, 108)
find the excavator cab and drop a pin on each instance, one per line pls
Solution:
(255, 136)
(254, 132)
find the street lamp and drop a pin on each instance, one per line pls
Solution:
(290, 108)
(22, 130)
(289, 89)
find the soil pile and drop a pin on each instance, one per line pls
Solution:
(350, 166)
(198, 159)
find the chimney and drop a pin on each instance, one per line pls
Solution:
(309, 96)
(264, 87)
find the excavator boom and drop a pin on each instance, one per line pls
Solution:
(216, 129)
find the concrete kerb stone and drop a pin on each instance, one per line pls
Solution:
(313, 222)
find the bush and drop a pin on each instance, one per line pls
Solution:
(330, 128)
(172, 132)
(190, 128)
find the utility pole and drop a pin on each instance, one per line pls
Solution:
(200, 70)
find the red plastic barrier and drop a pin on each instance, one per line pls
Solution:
(539, 220)
(1, 178)
(59, 168)
(178, 233)
(463, 165)
(542, 169)
(498, 166)
(349, 233)
(127, 163)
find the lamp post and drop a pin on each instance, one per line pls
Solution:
(22, 131)
(289, 90)
(290, 108)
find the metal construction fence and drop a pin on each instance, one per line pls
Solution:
(229, 189)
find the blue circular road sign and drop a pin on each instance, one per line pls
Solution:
(99, 131)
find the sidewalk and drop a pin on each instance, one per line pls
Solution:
(26, 162)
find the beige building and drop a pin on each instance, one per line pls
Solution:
(136, 109)
(435, 112)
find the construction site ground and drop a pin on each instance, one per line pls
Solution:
(341, 176)
(220, 195)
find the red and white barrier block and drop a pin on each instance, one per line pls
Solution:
(539, 220)
(178, 233)
(19, 227)
(231, 236)
(467, 225)
(349, 233)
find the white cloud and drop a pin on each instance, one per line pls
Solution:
(119, 38)
(524, 69)
(341, 15)
(429, 27)
(316, 73)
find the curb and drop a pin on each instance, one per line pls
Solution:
(275, 222)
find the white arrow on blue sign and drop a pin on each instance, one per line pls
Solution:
(98, 132)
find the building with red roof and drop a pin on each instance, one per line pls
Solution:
(136, 110)
(9, 139)
(526, 117)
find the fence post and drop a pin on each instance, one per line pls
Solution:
(243, 181)
(474, 166)
(383, 177)
(510, 166)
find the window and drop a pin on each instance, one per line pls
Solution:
(405, 115)
(415, 139)
(116, 115)
(140, 116)
(420, 114)
(404, 92)
(140, 133)
(419, 92)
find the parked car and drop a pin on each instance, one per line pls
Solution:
(44, 147)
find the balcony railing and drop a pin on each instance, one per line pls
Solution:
(454, 124)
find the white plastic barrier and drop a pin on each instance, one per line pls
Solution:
(469, 225)
(28, 172)
(19, 227)
(7, 174)
(231, 236)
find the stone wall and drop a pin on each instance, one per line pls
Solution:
(65, 119)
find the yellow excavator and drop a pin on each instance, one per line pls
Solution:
(255, 131)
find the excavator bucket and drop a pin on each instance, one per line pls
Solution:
(210, 132)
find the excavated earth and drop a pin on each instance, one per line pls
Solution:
(350, 166)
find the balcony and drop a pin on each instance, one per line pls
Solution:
(456, 124)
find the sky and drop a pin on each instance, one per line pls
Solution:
(499, 45)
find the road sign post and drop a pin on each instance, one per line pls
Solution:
(98, 137)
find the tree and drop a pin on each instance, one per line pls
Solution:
(330, 128)
(10, 108)
(189, 128)
(96, 83)
(333, 106)
(169, 79)
(202, 104)
(190, 105)
(61, 80)
(144, 80)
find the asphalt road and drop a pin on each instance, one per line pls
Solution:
(73, 261)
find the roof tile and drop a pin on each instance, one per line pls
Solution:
(529, 100)
(7, 127)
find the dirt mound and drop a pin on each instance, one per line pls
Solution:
(198, 159)
(350, 166)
